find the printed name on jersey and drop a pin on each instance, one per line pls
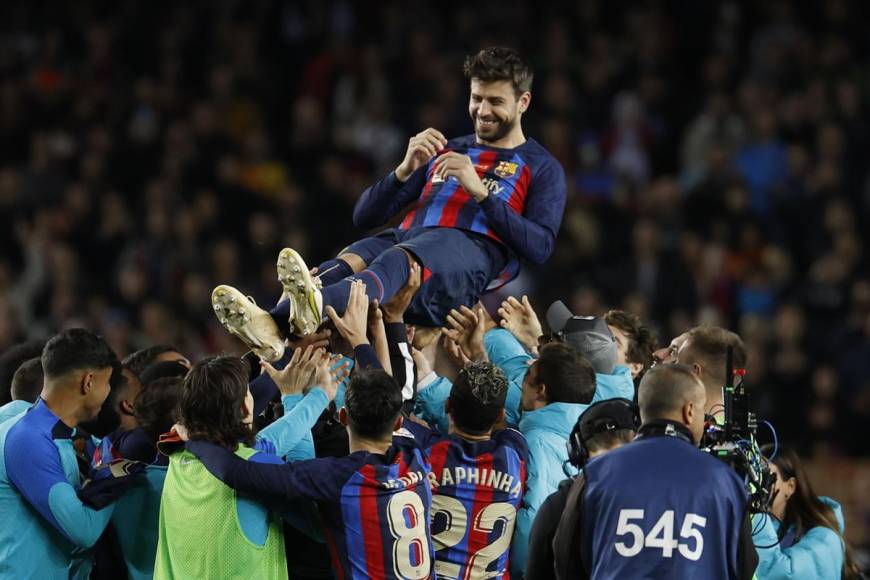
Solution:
(409, 480)
(491, 478)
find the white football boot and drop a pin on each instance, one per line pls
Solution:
(303, 290)
(241, 316)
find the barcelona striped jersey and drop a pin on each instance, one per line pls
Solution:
(523, 212)
(506, 173)
(477, 489)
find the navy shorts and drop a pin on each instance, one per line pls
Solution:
(457, 267)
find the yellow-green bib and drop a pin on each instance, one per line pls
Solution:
(200, 532)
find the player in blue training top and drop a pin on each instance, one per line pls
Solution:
(478, 477)
(45, 523)
(479, 204)
(375, 503)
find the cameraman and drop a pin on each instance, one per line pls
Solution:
(658, 507)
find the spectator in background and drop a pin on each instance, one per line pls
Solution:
(763, 162)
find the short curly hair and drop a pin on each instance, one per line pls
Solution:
(477, 397)
(498, 63)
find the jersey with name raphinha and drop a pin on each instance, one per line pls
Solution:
(477, 488)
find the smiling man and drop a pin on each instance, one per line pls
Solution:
(478, 204)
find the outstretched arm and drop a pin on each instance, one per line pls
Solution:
(397, 334)
(290, 430)
(315, 479)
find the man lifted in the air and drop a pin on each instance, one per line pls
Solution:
(480, 203)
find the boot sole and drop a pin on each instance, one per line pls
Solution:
(300, 287)
(234, 314)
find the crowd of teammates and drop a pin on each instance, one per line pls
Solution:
(375, 449)
(483, 449)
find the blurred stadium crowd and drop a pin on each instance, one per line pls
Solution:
(715, 154)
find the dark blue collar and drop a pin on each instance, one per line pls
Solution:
(59, 429)
(666, 428)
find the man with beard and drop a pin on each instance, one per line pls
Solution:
(478, 204)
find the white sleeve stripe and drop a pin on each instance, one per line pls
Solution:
(408, 387)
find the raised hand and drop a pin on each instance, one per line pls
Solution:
(424, 367)
(297, 376)
(328, 378)
(421, 148)
(520, 319)
(424, 336)
(378, 337)
(452, 164)
(352, 326)
(394, 309)
(466, 327)
(456, 352)
(319, 339)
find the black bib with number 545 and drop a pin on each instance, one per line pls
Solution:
(659, 507)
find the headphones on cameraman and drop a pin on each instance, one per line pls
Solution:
(584, 430)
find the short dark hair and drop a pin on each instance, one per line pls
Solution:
(477, 397)
(641, 339)
(664, 389)
(498, 63)
(568, 375)
(211, 401)
(143, 358)
(12, 358)
(27, 381)
(76, 349)
(156, 407)
(606, 440)
(708, 346)
(373, 400)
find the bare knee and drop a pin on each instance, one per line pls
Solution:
(356, 263)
